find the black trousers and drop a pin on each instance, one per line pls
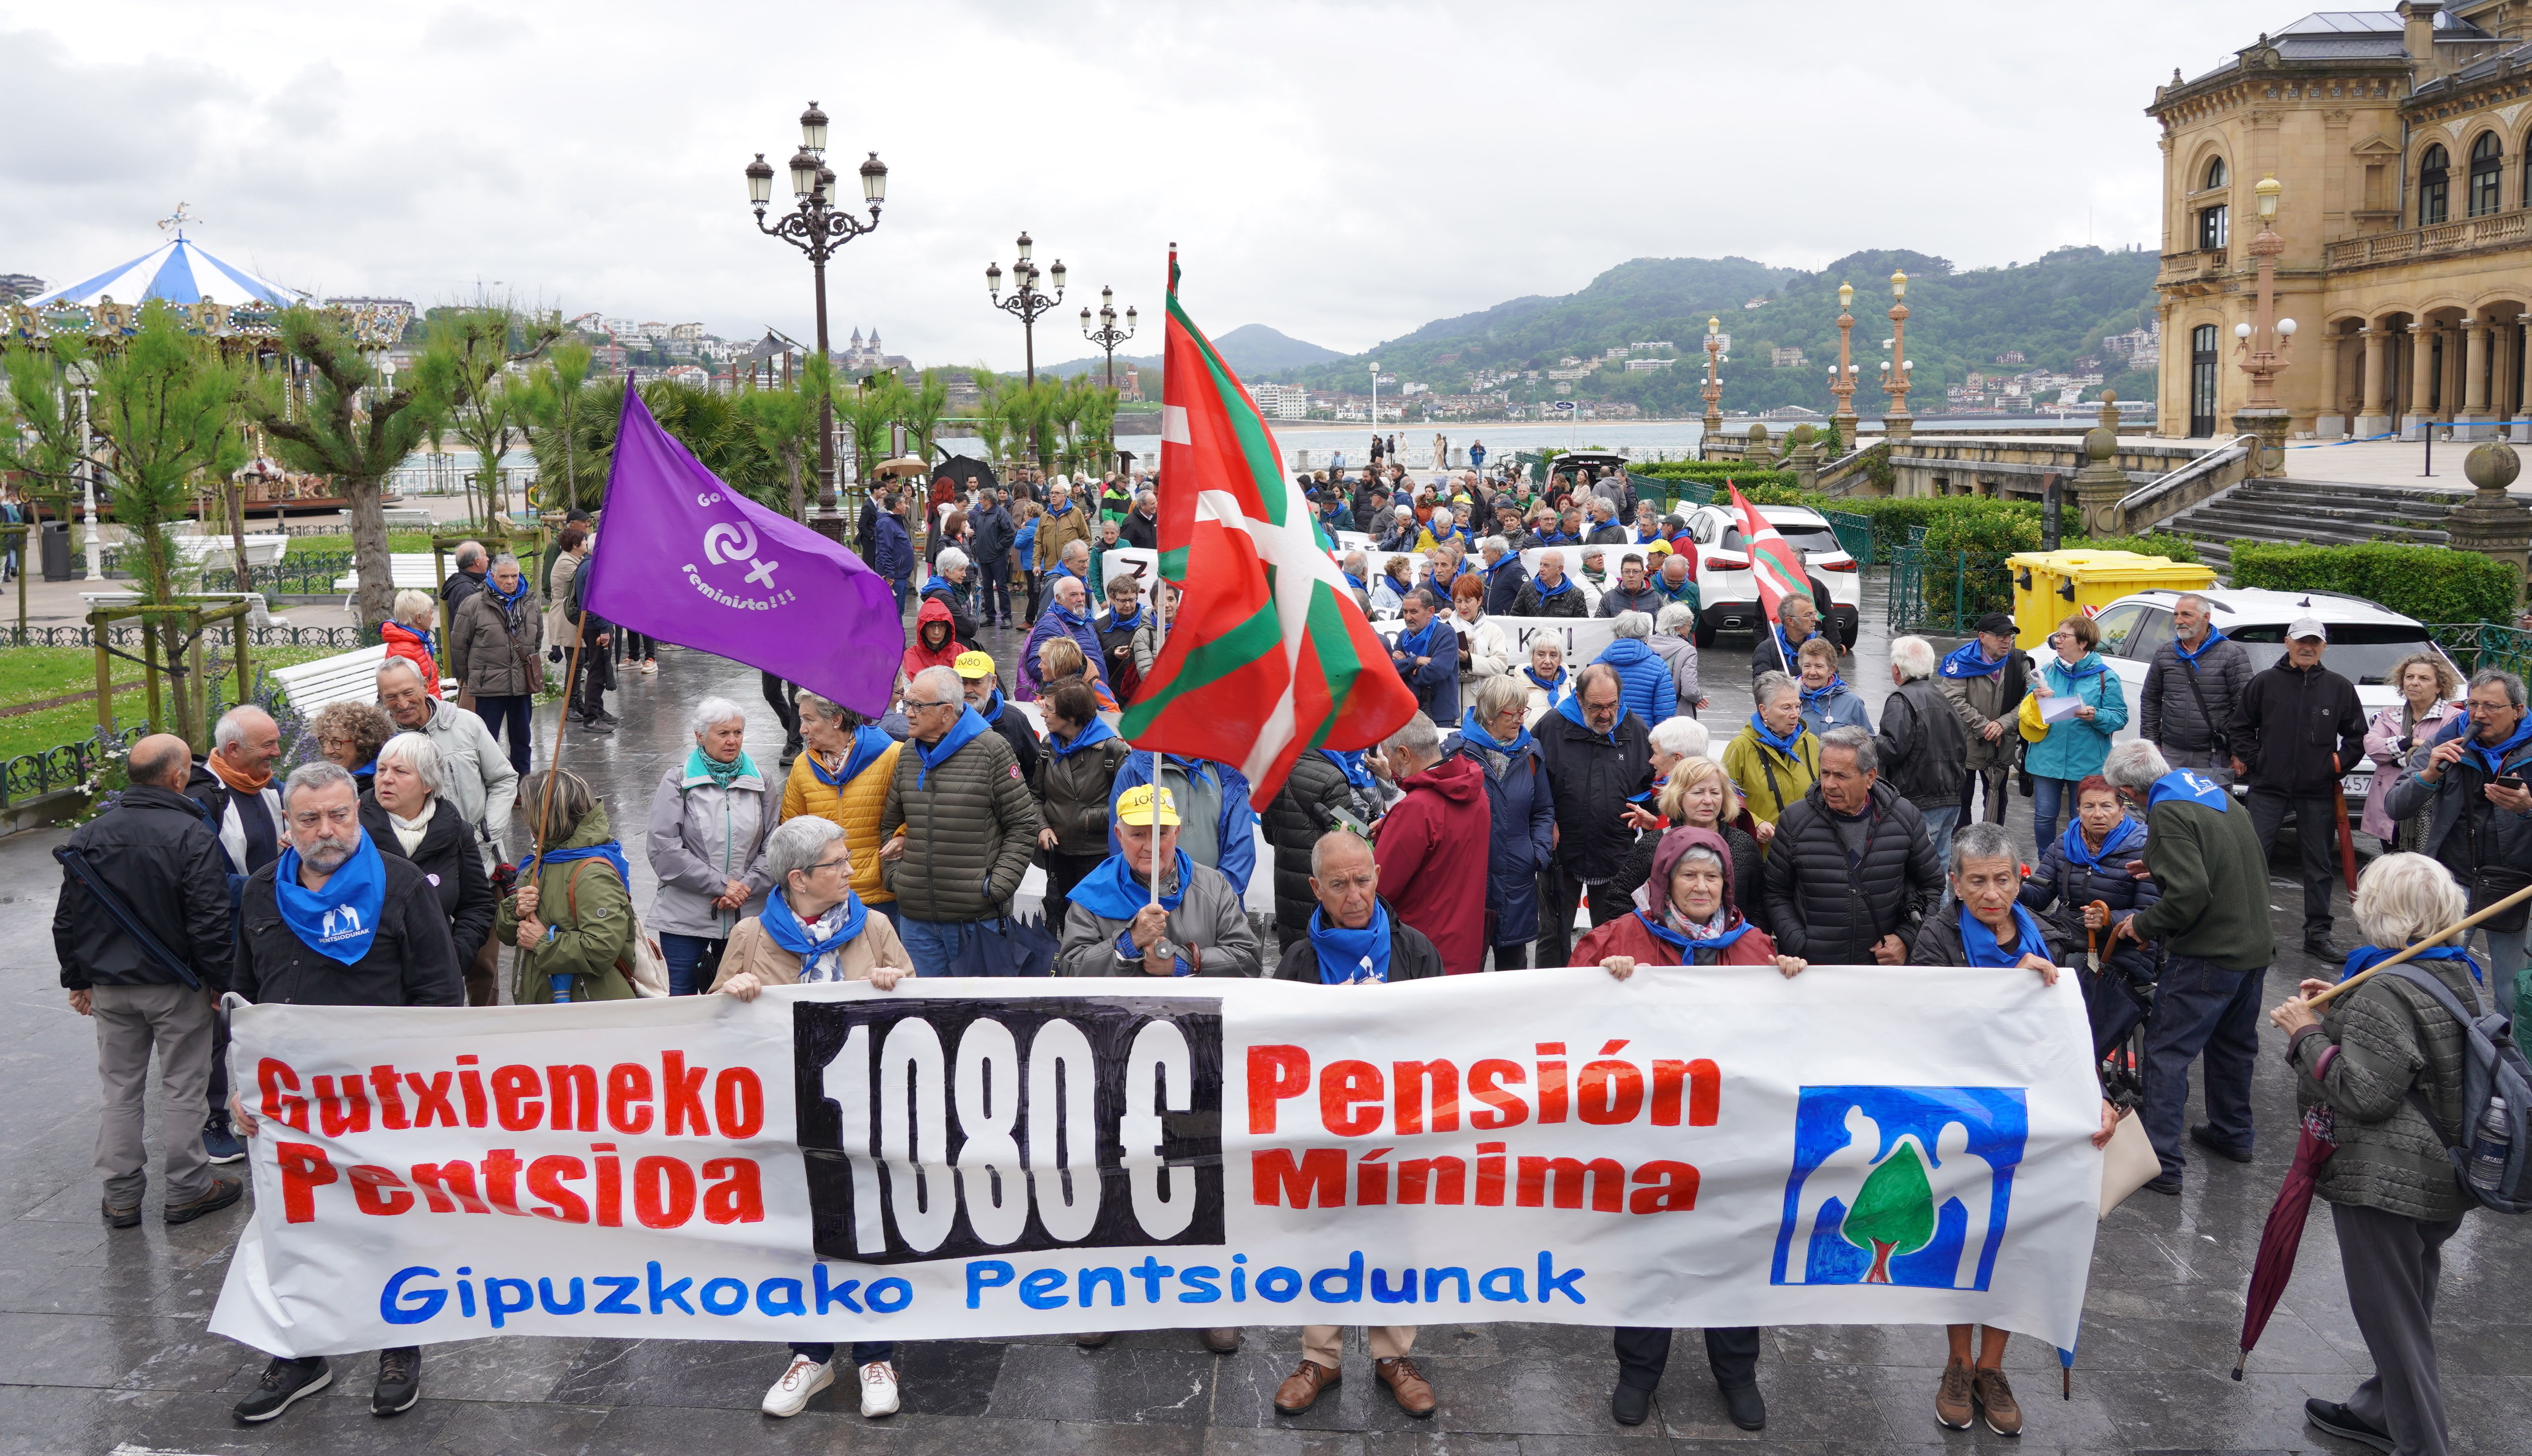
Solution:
(1062, 872)
(2316, 839)
(597, 678)
(1512, 958)
(1732, 1353)
(1997, 778)
(784, 698)
(994, 604)
(1559, 895)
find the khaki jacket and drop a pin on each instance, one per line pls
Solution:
(751, 950)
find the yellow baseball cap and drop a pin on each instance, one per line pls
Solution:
(975, 665)
(1134, 805)
(1659, 548)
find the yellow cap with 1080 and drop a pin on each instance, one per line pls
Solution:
(1134, 805)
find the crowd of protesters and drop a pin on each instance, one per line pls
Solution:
(1529, 798)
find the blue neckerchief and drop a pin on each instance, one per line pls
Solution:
(1120, 621)
(2122, 835)
(1820, 697)
(1470, 728)
(1572, 709)
(2084, 667)
(701, 765)
(939, 583)
(1687, 587)
(1350, 956)
(1060, 511)
(1419, 643)
(1068, 617)
(2181, 783)
(970, 727)
(1549, 686)
(2213, 636)
(508, 599)
(1114, 894)
(1349, 760)
(2494, 758)
(1688, 944)
(1550, 538)
(1096, 732)
(1979, 945)
(339, 921)
(868, 743)
(1563, 585)
(1966, 660)
(1791, 747)
(1510, 558)
(991, 710)
(2366, 956)
(1356, 582)
(782, 926)
(610, 851)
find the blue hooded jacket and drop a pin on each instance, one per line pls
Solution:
(1646, 687)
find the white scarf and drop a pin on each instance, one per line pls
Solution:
(408, 832)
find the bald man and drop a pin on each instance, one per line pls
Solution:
(142, 932)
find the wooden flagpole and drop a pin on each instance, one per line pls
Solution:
(2517, 897)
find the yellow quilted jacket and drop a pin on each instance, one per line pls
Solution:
(856, 806)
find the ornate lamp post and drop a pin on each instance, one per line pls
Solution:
(1897, 422)
(1713, 391)
(1025, 304)
(1841, 379)
(82, 379)
(2264, 345)
(1107, 337)
(818, 227)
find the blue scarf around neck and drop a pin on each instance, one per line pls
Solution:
(2366, 956)
(1789, 746)
(2181, 783)
(1966, 660)
(1349, 762)
(970, 727)
(1572, 711)
(1420, 644)
(610, 851)
(1068, 617)
(509, 599)
(1356, 582)
(868, 743)
(1550, 685)
(2072, 845)
(1096, 732)
(2213, 636)
(1350, 956)
(1979, 944)
(939, 583)
(1114, 894)
(1820, 697)
(1475, 733)
(2493, 758)
(339, 921)
(1563, 585)
(783, 926)
(1688, 944)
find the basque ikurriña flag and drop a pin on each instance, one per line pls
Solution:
(1774, 566)
(1268, 655)
(683, 557)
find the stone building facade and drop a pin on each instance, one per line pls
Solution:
(2404, 142)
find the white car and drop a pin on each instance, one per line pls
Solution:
(1729, 598)
(2366, 642)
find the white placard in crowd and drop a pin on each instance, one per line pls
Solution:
(1584, 637)
(1139, 562)
(1716, 1146)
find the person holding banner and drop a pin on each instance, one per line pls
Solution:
(1118, 927)
(1774, 759)
(1545, 681)
(572, 921)
(403, 813)
(334, 922)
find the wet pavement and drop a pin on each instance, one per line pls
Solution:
(102, 1346)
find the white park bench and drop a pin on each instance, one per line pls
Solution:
(415, 570)
(407, 519)
(345, 677)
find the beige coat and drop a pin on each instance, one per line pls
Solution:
(751, 949)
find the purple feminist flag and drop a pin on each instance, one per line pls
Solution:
(687, 560)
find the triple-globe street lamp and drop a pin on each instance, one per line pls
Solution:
(1026, 303)
(1106, 336)
(817, 226)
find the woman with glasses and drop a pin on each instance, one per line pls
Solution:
(349, 736)
(2071, 747)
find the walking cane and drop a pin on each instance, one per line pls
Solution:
(2439, 938)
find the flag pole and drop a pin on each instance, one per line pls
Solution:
(553, 770)
(1161, 582)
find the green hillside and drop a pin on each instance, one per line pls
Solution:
(2054, 311)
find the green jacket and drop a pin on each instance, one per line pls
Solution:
(2391, 1037)
(2215, 881)
(970, 831)
(591, 917)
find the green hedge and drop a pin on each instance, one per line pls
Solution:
(2156, 544)
(2432, 583)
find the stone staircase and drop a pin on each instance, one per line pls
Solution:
(2313, 513)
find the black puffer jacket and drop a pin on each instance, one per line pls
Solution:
(448, 861)
(970, 831)
(2169, 704)
(2296, 729)
(1071, 792)
(1314, 795)
(153, 850)
(1590, 777)
(410, 961)
(1830, 912)
(2057, 890)
(1925, 752)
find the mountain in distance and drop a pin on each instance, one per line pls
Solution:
(1251, 350)
(2052, 311)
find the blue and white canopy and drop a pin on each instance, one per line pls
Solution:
(179, 272)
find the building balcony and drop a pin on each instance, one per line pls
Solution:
(2196, 264)
(2496, 230)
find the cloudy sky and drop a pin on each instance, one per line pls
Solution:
(1342, 172)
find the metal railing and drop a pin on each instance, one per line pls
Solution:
(66, 766)
(2476, 645)
(344, 638)
(1945, 591)
(2237, 448)
(307, 574)
(1855, 533)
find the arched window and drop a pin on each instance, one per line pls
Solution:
(2214, 173)
(2486, 157)
(2433, 192)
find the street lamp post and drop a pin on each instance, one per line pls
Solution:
(1107, 337)
(1375, 398)
(817, 226)
(1025, 304)
(2264, 346)
(1897, 422)
(1841, 379)
(82, 378)
(1713, 391)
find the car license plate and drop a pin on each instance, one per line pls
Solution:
(2356, 786)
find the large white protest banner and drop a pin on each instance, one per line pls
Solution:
(1582, 638)
(1708, 1146)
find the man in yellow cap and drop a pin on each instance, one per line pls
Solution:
(1197, 928)
(984, 689)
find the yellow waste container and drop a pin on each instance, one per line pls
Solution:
(2051, 586)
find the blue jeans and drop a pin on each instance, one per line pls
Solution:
(684, 952)
(934, 946)
(513, 712)
(2201, 1007)
(1939, 824)
(865, 1351)
(904, 593)
(996, 601)
(2047, 794)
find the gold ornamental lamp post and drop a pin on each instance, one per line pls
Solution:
(1841, 379)
(1897, 422)
(2264, 345)
(1713, 384)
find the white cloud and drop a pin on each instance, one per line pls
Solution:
(1342, 172)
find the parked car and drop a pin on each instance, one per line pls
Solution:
(2366, 642)
(1730, 597)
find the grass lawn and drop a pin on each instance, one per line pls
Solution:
(30, 674)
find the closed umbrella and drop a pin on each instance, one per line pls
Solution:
(2282, 1236)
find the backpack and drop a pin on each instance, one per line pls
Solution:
(2493, 1157)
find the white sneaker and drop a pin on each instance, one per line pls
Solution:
(879, 1389)
(789, 1396)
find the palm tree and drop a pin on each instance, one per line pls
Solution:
(920, 409)
(551, 405)
(785, 422)
(477, 347)
(993, 419)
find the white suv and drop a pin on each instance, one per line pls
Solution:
(2366, 642)
(1729, 598)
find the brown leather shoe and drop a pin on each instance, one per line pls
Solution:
(1094, 1341)
(1996, 1399)
(1952, 1399)
(1408, 1383)
(1221, 1341)
(1300, 1389)
(221, 1192)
